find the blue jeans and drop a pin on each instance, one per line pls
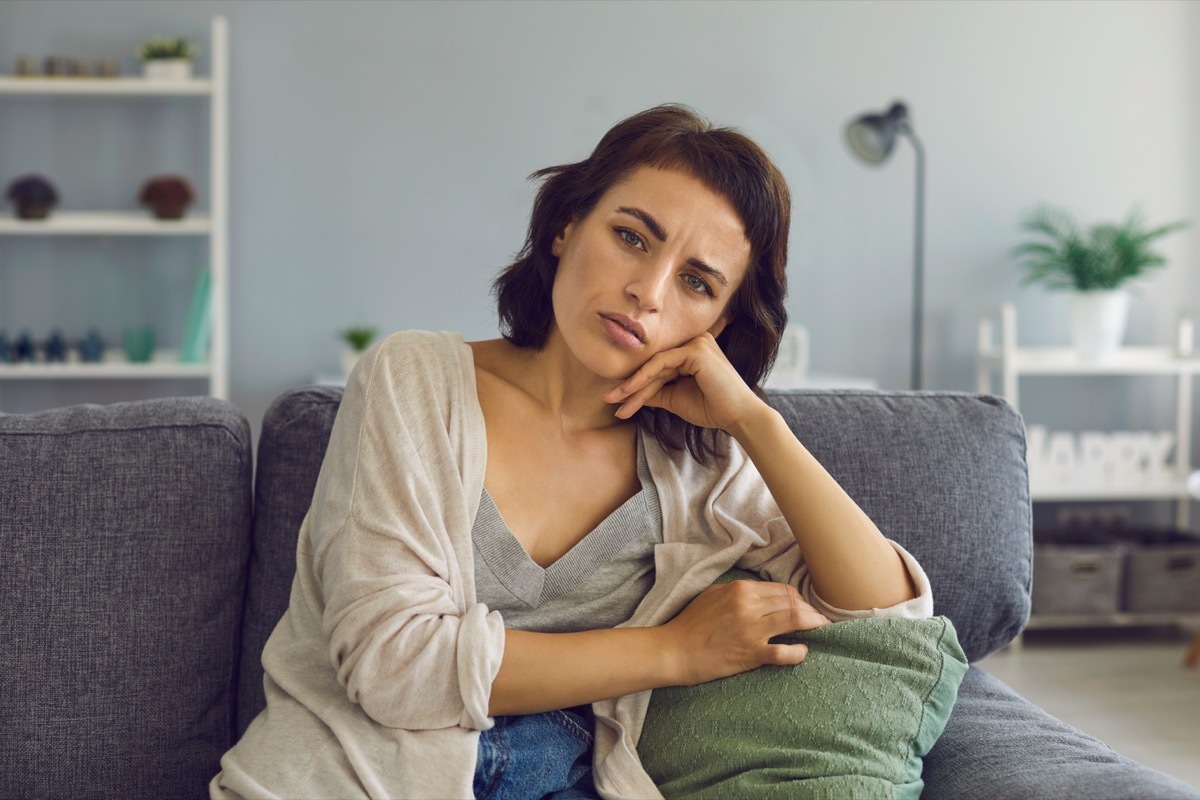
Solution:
(532, 756)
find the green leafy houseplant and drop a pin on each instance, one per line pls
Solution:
(166, 47)
(1101, 258)
(358, 337)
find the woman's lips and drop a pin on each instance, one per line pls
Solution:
(622, 335)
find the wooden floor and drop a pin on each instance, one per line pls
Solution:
(1128, 688)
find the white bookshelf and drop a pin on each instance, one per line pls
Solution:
(213, 224)
(1000, 356)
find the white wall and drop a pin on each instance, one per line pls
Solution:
(380, 153)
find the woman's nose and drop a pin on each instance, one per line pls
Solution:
(650, 286)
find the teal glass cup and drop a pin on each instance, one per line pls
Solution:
(139, 344)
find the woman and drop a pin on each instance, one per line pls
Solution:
(512, 540)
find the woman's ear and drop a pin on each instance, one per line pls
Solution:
(560, 241)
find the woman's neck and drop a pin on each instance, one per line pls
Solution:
(556, 384)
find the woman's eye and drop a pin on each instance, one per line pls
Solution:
(630, 238)
(696, 284)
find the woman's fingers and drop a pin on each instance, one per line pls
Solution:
(640, 397)
(784, 655)
(658, 383)
(661, 368)
(694, 381)
(727, 628)
(794, 615)
(799, 616)
(786, 612)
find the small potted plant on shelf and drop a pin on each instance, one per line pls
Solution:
(33, 196)
(1096, 265)
(357, 339)
(168, 196)
(166, 58)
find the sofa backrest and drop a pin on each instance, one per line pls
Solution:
(942, 473)
(124, 530)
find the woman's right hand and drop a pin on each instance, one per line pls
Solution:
(725, 629)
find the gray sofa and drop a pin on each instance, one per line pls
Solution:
(144, 569)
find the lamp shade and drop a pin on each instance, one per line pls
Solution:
(872, 136)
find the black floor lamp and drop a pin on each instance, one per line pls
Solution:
(872, 137)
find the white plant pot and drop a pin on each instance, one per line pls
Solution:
(349, 359)
(167, 69)
(1098, 322)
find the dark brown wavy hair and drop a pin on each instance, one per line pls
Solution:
(670, 137)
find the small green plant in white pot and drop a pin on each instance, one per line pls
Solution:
(1096, 265)
(167, 58)
(357, 339)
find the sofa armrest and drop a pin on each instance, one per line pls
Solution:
(125, 530)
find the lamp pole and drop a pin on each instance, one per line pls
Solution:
(918, 327)
(871, 137)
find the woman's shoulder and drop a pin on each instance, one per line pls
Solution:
(499, 357)
(422, 344)
(412, 365)
(412, 353)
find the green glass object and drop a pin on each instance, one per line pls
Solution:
(139, 344)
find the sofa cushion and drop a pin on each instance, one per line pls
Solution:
(125, 533)
(854, 719)
(943, 474)
(291, 447)
(997, 745)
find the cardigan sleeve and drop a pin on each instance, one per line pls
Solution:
(791, 567)
(391, 545)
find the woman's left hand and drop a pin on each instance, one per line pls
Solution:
(694, 381)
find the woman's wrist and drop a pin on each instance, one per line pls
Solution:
(760, 421)
(672, 659)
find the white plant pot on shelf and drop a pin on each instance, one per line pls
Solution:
(167, 69)
(1098, 322)
(349, 359)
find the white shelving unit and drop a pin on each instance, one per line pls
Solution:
(214, 225)
(998, 354)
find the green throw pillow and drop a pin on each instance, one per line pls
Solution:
(854, 720)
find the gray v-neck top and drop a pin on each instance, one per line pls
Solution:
(597, 584)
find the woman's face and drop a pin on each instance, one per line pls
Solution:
(653, 266)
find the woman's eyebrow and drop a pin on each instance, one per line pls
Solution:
(716, 274)
(649, 221)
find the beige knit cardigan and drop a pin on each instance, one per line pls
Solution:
(378, 675)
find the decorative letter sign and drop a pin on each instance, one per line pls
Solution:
(1098, 460)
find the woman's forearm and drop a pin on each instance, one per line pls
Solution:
(851, 563)
(545, 671)
(725, 630)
